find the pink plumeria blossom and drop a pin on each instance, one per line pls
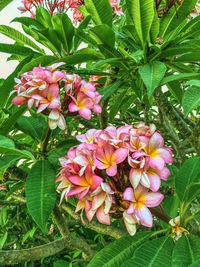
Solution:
(107, 158)
(140, 199)
(114, 170)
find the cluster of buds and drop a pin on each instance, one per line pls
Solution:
(57, 93)
(59, 6)
(116, 172)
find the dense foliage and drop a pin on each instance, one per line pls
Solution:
(99, 134)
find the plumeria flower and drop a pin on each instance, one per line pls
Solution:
(140, 200)
(118, 136)
(56, 119)
(88, 137)
(84, 184)
(82, 105)
(157, 153)
(177, 230)
(107, 158)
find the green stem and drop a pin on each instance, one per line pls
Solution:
(46, 141)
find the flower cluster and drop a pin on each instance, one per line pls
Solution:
(59, 6)
(116, 172)
(57, 93)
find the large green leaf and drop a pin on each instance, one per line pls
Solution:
(175, 16)
(152, 253)
(40, 192)
(178, 77)
(104, 35)
(191, 99)
(152, 74)
(100, 11)
(19, 37)
(110, 89)
(142, 15)
(64, 29)
(8, 84)
(119, 251)
(186, 251)
(188, 174)
(81, 27)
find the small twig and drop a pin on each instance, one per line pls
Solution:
(46, 141)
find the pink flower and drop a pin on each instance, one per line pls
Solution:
(157, 153)
(84, 184)
(108, 158)
(88, 137)
(141, 199)
(82, 105)
(115, 4)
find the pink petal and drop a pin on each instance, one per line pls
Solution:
(73, 107)
(166, 155)
(81, 137)
(154, 181)
(42, 107)
(19, 100)
(120, 154)
(131, 209)
(53, 91)
(98, 200)
(102, 217)
(77, 180)
(145, 216)
(128, 194)
(164, 173)
(96, 181)
(61, 122)
(156, 163)
(76, 191)
(156, 141)
(112, 170)
(153, 199)
(81, 160)
(97, 108)
(135, 177)
(84, 193)
(85, 113)
(99, 164)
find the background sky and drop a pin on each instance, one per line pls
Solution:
(6, 16)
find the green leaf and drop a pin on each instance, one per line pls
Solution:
(81, 27)
(10, 122)
(4, 3)
(189, 57)
(142, 14)
(64, 29)
(194, 83)
(104, 35)
(40, 192)
(100, 11)
(8, 84)
(19, 37)
(119, 251)
(152, 253)
(36, 127)
(154, 29)
(175, 16)
(177, 77)
(191, 99)
(3, 239)
(186, 251)
(152, 74)
(110, 89)
(187, 174)
(16, 49)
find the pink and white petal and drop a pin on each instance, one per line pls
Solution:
(77, 180)
(76, 191)
(42, 107)
(54, 115)
(156, 141)
(153, 199)
(53, 91)
(30, 103)
(81, 138)
(81, 160)
(108, 204)
(73, 107)
(84, 193)
(164, 173)
(112, 170)
(102, 217)
(141, 190)
(62, 122)
(145, 180)
(99, 164)
(98, 200)
(144, 216)
(156, 163)
(120, 154)
(135, 177)
(97, 108)
(166, 155)
(90, 214)
(154, 181)
(131, 209)
(128, 194)
(85, 113)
